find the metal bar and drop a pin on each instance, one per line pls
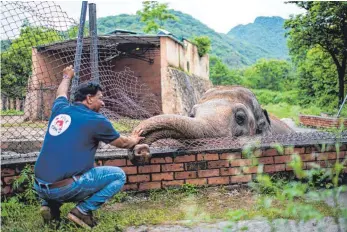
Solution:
(79, 47)
(94, 43)
(338, 114)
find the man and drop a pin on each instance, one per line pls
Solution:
(64, 170)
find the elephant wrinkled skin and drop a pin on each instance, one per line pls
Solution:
(227, 111)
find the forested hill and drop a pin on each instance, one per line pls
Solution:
(265, 32)
(232, 50)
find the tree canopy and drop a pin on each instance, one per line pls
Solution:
(154, 14)
(323, 26)
(16, 62)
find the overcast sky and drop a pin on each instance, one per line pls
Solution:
(220, 15)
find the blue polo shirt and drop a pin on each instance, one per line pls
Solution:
(72, 137)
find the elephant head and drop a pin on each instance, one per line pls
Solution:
(228, 111)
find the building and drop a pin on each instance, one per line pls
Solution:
(160, 68)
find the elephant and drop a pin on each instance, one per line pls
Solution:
(224, 111)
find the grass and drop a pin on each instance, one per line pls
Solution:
(285, 110)
(11, 112)
(193, 205)
(37, 124)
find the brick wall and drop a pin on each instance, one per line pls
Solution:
(204, 168)
(321, 122)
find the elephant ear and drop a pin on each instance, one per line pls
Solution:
(267, 116)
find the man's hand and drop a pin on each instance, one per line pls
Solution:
(136, 135)
(63, 88)
(68, 72)
(128, 141)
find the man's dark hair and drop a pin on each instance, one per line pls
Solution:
(86, 88)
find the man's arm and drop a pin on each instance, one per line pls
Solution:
(63, 88)
(128, 141)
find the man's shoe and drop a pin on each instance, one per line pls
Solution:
(86, 221)
(49, 214)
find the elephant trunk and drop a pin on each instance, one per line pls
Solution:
(176, 127)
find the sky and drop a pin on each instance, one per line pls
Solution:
(220, 15)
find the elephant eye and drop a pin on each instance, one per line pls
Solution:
(240, 117)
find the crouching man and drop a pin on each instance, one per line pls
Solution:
(64, 170)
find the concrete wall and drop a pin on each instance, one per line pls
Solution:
(220, 168)
(185, 58)
(174, 55)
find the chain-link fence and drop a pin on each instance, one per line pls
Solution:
(38, 40)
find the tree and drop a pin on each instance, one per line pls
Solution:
(16, 61)
(324, 25)
(220, 74)
(203, 43)
(269, 74)
(318, 82)
(154, 14)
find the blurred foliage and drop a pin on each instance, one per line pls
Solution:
(203, 43)
(153, 14)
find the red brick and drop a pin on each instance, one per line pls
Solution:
(208, 173)
(288, 168)
(116, 162)
(138, 178)
(165, 160)
(308, 157)
(172, 183)
(330, 148)
(326, 156)
(201, 181)
(258, 153)
(185, 175)
(184, 158)
(218, 164)
(250, 170)
(162, 176)
(149, 185)
(283, 159)
(130, 170)
(341, 154)
(270, 152)
(240, 178)
(130, 187)
(275, 168)
(230, 171)
(149, 168)
(299, 150)
(230, 156)
(9, 180)
(265, 160)
(129, 163)
(7, 172)
(172, 167)
(288, 150)
(218, 180)
(240, 162)
(208, 157)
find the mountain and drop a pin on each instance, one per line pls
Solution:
(232, 50)
(265, 32)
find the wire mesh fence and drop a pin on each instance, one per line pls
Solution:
(38, 40)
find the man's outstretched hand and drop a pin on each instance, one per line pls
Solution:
(68, 72)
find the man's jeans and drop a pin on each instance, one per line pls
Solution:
(91, 190)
